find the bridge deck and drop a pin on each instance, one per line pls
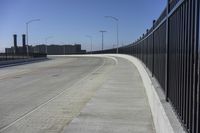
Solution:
(74, 95)
(120, 105)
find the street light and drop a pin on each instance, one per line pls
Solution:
(90, 37)
(102, 31)
(27, 23)
(46, 40)
(117, 24)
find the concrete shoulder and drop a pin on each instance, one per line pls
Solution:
(164, 118)
(119, 105)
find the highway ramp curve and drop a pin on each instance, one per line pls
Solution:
(75, 94)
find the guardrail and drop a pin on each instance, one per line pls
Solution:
(171, 51)
(12, 56)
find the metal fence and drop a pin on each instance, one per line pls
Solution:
(12, 56)
(170, 49)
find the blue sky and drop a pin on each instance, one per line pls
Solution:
(69, 21)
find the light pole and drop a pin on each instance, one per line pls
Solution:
(117, 26)
(27, 23)
(46, 39)
(102, 31)
(90, 37)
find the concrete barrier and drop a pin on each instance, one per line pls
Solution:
(19, 61)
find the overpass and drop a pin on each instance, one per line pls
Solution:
(82, 94)
(151, 86)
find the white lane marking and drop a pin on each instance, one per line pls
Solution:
(113, 58)
(45, 103)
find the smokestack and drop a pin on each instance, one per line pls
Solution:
(24, 43)
(15, 43)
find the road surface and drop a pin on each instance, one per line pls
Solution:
(47, 97)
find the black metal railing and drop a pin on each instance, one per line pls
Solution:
(170, 50)
(12, 56)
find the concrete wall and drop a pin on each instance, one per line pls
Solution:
(19, 61)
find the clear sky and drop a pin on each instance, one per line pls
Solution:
(69, 21)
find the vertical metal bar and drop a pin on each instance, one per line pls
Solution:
(181, 63)
(176, 60)
(167, 53)
(198, 67)
(147, 51)
(191, 65)
(195, 112)
(187, 54)
(153, 49)
(171, 61)
(185, 63)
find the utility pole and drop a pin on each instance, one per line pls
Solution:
(102, 31)
(27, 28)
(117, 27)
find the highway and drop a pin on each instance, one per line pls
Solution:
(47, 96)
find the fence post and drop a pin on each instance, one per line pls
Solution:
(147, 48)
(198, 66)
(153, 49)
(167, 54)
(198, 123)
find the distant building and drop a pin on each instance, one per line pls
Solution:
(9, 50)
(59, 49)
(50, 49)
(17, 50)
(40, 48)
(55, 50)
